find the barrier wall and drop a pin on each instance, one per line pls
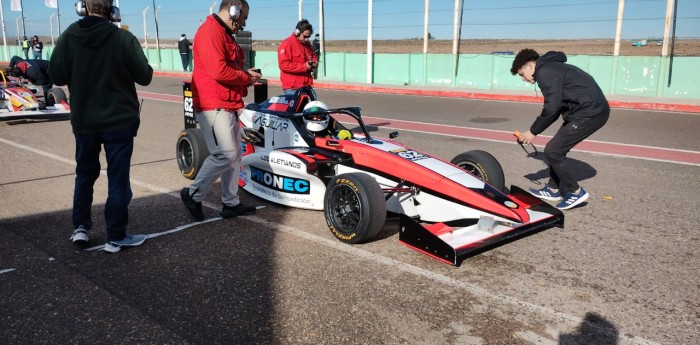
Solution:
(623, 75)
(644, 76)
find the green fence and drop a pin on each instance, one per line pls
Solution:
(645, 76)
(623, 75)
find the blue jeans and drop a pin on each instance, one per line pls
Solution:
(37, 56)
(119, 146)
(185, 61)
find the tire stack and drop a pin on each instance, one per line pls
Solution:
(244, 39)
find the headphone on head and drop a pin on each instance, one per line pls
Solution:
(114, 13)
(234, 11)
(302, 26)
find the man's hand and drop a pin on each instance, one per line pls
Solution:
(526, 138)
(311, 65)
(255, 75)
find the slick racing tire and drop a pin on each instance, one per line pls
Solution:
(55, 96)
(483, 166)
(354, 207)
(191, 151)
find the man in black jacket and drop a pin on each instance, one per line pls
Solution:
(572, 93)
(100, 64)
(184, 47)
(36, 71)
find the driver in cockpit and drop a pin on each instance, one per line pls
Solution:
(318, 124)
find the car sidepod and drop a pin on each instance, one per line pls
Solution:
(282, 177)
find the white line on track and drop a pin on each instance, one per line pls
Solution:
(171, 231)
(570, 320)
(7, 270)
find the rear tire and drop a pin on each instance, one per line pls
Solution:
(191, 151)
(354, 207)
(483, 166)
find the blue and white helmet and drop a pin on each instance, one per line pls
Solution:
(315, 122)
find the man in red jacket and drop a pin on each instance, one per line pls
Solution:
(219, 83)
(296, 58)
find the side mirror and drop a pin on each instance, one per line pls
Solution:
(393, 135)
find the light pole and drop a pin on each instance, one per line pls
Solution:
(300, 2)
(58, 19)
(145, 33)
(17, 23)
(24, 28)
(155, 14)
(4, 37)
(211, 8)
(51, 25)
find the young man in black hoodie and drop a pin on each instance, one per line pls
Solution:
(100, 64)
(572, 93)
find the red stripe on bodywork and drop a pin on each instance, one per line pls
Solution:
(393, 165)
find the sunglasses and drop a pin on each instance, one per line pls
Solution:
(306, 36)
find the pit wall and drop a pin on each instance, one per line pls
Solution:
(643, 76)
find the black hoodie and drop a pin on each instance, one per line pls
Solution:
(100, 64)
(567, 90)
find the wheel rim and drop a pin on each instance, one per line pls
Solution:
(185, 155)
(472, 169)
(345, 209)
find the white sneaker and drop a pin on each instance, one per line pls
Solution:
(573, 199)
(80, 236)
(128, 241)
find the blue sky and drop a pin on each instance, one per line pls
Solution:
(393, 19)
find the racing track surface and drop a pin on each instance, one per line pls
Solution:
(622, 271)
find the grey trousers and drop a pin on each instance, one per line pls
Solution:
(222, 133)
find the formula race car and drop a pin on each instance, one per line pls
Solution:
(18, 101)
(296, 153)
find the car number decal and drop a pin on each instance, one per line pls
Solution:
(409, 155)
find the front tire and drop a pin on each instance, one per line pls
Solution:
(354, 207)
(55, 96)
(483, 166)
(191, 151)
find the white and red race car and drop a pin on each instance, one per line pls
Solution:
(18, 101)
(447, 210)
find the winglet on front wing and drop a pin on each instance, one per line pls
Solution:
(452, 245)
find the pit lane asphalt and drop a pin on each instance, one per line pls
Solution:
(622, 271)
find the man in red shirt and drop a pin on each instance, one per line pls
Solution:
(219, 83)
(296, 58)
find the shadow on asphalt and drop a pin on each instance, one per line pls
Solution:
(582, 170)
(594, 329)
(207, 284)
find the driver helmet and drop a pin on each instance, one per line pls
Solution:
(315, 122)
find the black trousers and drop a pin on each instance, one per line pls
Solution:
(569, 135)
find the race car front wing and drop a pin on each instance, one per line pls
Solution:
(453, 244)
